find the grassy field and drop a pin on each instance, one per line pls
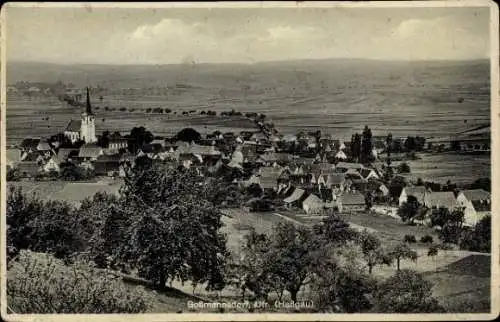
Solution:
(72, 192)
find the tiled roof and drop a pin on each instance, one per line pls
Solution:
(313, 200)
(476, 194)
(440, 199)
(418, 192)
(296, 195)
(74, 126)
(349, 165)
(351, 199)
(90, 150)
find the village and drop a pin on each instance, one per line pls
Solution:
(305, 174)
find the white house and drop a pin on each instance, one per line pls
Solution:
(341, 155)
(52, 164)
(477, 204)
(418, 192)
(313, 205)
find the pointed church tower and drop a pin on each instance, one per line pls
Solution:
(87, 132)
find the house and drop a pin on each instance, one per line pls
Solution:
(64, 154)
(418, 192)
(52, 165)
(340, 155)
(107, 165)
(476, 204)
(90, 152)
(43, 146)
(29, 145)
(351, 202)
(295, 198)
(237, 156)
(353, 175)
(369, 174)
(440, 199)
(313, 205)
(343, 167)
(121, 143)
(336, 181)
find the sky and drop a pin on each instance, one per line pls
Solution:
(244, 35)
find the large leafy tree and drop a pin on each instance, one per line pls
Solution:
(410, 210)
(406, 292)
(373, 253)
(479, 238)
(138, 137)
(171, 230)
(38, 283)
(42, 226)
(188, 135)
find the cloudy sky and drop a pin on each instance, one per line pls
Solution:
(177, 35)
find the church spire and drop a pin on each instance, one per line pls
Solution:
(88, 108)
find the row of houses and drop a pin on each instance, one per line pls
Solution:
(476, 203)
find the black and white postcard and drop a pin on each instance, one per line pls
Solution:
(215, 161)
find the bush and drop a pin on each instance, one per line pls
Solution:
(122, 109)
(410, 239)
(148, 110)
(39, 283)
(427, 239)
(404, 168)
(131, 109)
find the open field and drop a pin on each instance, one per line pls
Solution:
(337, 96)
(456, 168)
(72, 192)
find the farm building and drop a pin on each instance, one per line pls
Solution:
(341, 155)
(440, 199)
(313, 205)
(477, 204)
(90, 151)
(418, 192)
(295, 198)
(351, 202)
(343, 167)
(369, 174)
(52, 165)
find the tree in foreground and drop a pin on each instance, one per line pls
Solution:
(402, 251)
(168, 228)
(37, 283)
(478, 239)
(373, 252)
(41, 226)
(406, 292)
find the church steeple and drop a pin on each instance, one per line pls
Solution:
(88, 108)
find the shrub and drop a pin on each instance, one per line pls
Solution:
(131, 109)
(122, 109)
(410, 239)
(148, 110)
(404, 168)
(427, 239)
(39, 283)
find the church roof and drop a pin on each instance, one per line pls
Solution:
(74, 126)
(88, 108)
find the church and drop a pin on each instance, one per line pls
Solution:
(83, 129)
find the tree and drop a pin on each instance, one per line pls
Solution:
(479, 238)
(409, 210)
(39, 283)
(71, 172)
(372, 251)
(482, 183)
(335, 230)
(367, 145)
(188, 135)
(172, 230)
(137, 138)
(291, 256)
(433, 251)
(406, 292)
(13, 174)
(396, 186)
(452, 230)
(103, 140)
(402, 251)
(250, 271)
(356, 147)
(340, 289)
(404, 168)
(40, 226)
